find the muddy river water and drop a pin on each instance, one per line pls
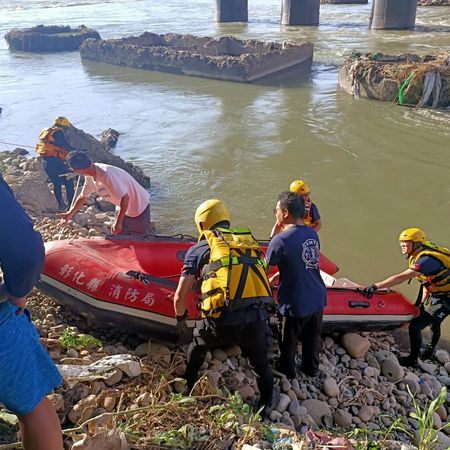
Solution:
(375, 168)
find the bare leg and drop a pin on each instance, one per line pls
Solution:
(41, 429)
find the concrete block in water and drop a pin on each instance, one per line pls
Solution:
(393, 14)
(300, 12)
(231, 10)
(225, 58)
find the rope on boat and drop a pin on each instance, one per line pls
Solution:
(12, 143)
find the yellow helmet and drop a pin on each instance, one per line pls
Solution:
(62, 121)
(211, 213)
(300, 187)
(412, 234)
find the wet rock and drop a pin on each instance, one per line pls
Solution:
(109, 138)
(355, 344)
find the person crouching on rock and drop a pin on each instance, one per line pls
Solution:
(116, 186)
(430, 264)
(53, 148)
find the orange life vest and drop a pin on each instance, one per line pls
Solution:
(47, 147)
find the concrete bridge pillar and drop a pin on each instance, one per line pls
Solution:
(300, 12)
(231, 11)
(393, 14)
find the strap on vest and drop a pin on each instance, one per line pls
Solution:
(441, 277)
(244, 303)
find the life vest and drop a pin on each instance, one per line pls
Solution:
(307, 218)
(235, 277)
(437, 283)
(46, 146)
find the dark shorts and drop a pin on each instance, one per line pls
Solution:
(27, 373)
(139, 225)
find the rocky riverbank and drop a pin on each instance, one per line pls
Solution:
(123, 391)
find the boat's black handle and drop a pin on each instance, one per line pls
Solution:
(359, 304)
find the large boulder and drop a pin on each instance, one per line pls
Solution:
(35, 196)
(98, 152)
(49, 38)
(355, 345)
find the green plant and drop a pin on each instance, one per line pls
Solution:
(427, 434)
(78, 342)
(183, 438)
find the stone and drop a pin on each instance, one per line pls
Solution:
(427, 367)
(57, 401)
(283, 403)
(36, 193)
(330, 387)
(142, 350)
(317, 410)
(219, 354)
(234, 351)
(382, 355)
(114, 378)
(247, 392)
(83, 410)
(355, 344)
(444, 380)
(109, 402)
(213, 377)
(365, 413)
(392, 370)
(442, 442)
(442, 356)
(103, 440)
(412, 381)
(447, 367)
(342, 418)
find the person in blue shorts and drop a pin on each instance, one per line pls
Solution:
(302, 295)
(27, 373)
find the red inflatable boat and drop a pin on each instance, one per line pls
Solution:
(132, 283)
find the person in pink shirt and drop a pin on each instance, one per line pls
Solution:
(116, 186)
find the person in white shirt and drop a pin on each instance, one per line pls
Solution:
(116, 186)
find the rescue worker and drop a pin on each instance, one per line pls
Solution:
(54, 147)
(311, 216)
(430, 264)
(116, 186)
(302, 295)
(235, 294)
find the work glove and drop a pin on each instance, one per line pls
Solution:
(182, 326)
(369, 291)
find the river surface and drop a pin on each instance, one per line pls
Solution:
(375, 168)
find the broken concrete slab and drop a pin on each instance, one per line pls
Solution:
(224, 58)
(49, 38)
